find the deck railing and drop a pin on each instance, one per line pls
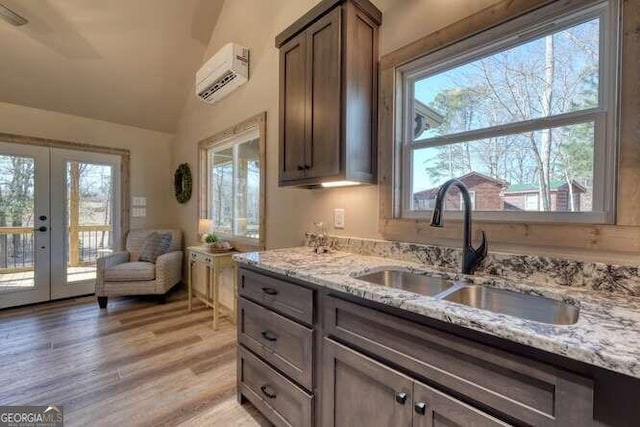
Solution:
(92, 242)
(17, 246)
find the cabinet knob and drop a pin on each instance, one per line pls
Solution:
(420, 408)
(401, 397)
(300, 167)
(307, 167)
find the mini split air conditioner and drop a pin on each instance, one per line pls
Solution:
(223, 73)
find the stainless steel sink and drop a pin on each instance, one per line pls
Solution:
(417, 283)
(529, 307)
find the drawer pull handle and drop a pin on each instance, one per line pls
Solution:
(401, 398)
(270, 291)
(269, 336)
(421, 408)
(267, 391)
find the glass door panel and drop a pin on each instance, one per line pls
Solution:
(24, 223)
(88, 206)
(89, 218)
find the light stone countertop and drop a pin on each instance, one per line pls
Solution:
(607, 333)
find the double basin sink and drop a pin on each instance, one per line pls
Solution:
(523, 306)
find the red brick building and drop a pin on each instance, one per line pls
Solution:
(485, 192)
(526, 197)
(492, 194)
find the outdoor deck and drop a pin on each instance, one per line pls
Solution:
(24, 280)
(17, 247)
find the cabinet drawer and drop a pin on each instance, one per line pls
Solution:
(200, 257)
(526, 390)
(277, 398)
(286, 298)
(284, 343)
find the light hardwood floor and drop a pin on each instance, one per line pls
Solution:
(136, 363)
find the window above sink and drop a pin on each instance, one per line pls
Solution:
(524, 114)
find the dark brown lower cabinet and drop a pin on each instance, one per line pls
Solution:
(359, 391)
(277, 398)
(310, 357)
(520, 389)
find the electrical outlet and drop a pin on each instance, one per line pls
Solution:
(338, 218)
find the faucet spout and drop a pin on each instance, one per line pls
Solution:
(471, 257)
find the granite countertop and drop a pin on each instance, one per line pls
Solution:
(607, 333)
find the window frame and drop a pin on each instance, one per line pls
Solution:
(472, 197)
(549, 19)
(246, 131)
(527, 196)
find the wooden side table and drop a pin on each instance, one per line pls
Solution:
(214, 263)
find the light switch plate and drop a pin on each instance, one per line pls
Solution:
(139, 201)
(139, 212)
(338, 218)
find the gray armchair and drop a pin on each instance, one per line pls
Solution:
(121, 273)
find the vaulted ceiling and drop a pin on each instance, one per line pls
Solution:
(125, 61)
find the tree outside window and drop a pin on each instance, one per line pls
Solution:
(522, 121)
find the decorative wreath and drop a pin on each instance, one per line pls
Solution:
(183, 183)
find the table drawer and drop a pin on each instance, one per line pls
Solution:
(277, 398)
(286, 298)
(200, 257)
(284, 343)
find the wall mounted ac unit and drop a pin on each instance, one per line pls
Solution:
(224, 72)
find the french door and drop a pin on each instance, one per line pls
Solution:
(59, 212)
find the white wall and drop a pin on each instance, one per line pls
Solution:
(255, 23)
(151, 173)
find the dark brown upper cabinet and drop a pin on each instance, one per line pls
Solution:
(328, 94)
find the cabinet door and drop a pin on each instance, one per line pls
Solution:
(436, 409)
(358, 391)
(293, 108)
(323, 155)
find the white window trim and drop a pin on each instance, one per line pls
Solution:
(472, 197)
(235, 140)
(605, 117)
(526, 201)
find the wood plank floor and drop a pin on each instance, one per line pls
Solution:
(137, 363)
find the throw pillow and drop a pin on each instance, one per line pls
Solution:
(154, 246)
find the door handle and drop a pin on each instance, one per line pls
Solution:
(41, 229)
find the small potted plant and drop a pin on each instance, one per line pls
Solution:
(215, 244)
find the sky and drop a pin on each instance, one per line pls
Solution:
(428, 88)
